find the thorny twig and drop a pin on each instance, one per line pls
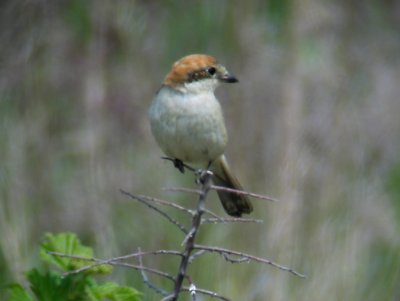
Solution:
(191, 250)
(115, 261)
(182, 189)
(249, 257)
(242, 192)
(217, 218)
(146, 279)
(160, 202)
(158, 210)
(189, 244)
(200, 291)
(225, 220)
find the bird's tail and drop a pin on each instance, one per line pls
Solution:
(234, 204)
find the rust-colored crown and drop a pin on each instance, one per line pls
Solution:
(182, 68)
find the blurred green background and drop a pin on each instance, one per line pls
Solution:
(314, 121)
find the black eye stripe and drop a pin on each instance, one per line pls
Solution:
(201, 74)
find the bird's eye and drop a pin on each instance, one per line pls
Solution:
(211, 70)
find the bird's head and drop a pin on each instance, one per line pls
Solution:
(197, 73)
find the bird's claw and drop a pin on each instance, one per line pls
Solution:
(179, 165)
(202, 175)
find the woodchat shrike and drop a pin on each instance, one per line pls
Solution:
(188, 125)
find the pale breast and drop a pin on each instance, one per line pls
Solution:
(189, 127)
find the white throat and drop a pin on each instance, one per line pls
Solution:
(198, 87)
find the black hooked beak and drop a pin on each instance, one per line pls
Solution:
(227, 78)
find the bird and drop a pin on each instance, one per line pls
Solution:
(187, 123)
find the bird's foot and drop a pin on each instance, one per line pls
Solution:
(179, 164)
(202, 175)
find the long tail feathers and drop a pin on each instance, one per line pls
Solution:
(234, 204)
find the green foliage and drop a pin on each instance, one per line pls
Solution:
(48, 286)
(18, 293)
(69, 244)
(112, 291)
(51, 285)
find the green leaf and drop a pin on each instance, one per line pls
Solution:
(69, 244)
(18, 293)
(50, 286)
(112, 291)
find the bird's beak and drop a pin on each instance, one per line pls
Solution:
(228, 78)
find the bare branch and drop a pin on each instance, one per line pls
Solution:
(207, 293)
(115, 261)
(196, 255)
(198, 290)
(126, 265)
(249, 257)
(149, 270)
(182, 189)
(191, 250)
(166, 203)
(217, 218)
(242, 192)
(224, 220)
(161, 212)
(189, 240)
(188, 236)
(167, 298)
(235, 260)
(209, 212)
(146, 279)
(141, 268)
(119, 258)
(192, 291)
